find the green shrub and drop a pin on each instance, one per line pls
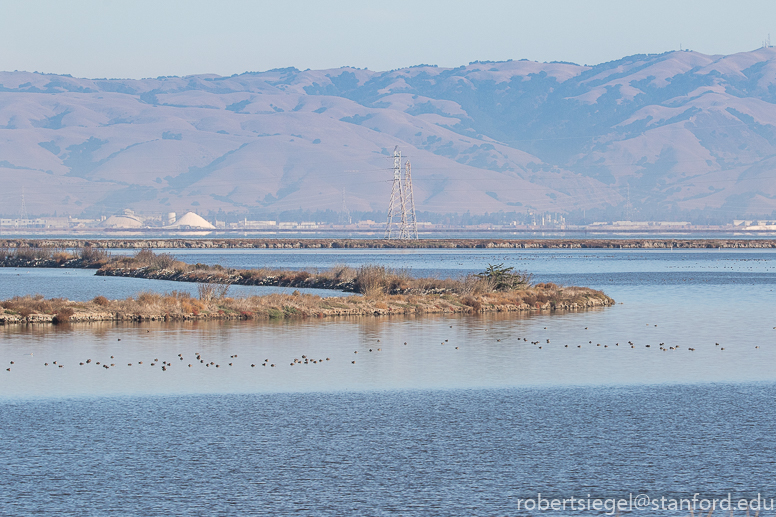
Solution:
(503, 278)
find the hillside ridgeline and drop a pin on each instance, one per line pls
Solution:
(680, 133)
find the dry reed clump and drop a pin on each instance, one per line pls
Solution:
(63, 315)
(27, 253)
(144, 256)
(292, 277)
(146, 304)
(542, 294)
(87, 254)
(530, 299)
(101, 301)
(94, 255)
(371, 280)
(340, 273)
(472, 302)
(37, 304)
(275, 306)
(258, 274)
(175, 304)
(472, 284)
(61, 257)
(147, 298)
(190, 305)
(161, 261)
(398, 280)
(209, 291)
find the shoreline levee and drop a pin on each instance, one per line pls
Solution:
(304, 243)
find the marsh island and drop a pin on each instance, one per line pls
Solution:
(377, 291)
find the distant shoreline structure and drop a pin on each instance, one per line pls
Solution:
(193, 225)
(11, 244)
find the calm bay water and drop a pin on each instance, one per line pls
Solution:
(465, 419)
(439, 452)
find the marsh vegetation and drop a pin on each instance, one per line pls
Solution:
(379, 291)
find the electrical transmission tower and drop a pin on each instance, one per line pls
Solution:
(23, 219)
(409, 229)
(628, 206)
(344, 217)
(396, 193)
(401, 196)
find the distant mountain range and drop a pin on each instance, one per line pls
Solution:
(643, 137)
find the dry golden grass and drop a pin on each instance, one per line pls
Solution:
(35, 304)
(87, 256)
(180, 305)
(370, 279)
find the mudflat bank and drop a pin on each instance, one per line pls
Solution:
(388, 244)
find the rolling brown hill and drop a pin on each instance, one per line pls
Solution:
(673, 132)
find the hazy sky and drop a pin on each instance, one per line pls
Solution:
(141, 38)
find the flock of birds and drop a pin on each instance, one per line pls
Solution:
(305, 360)
(165, 365)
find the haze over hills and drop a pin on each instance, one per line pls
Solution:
(646, 136)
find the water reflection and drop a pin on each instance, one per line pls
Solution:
(490, 351)
(687, 300)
